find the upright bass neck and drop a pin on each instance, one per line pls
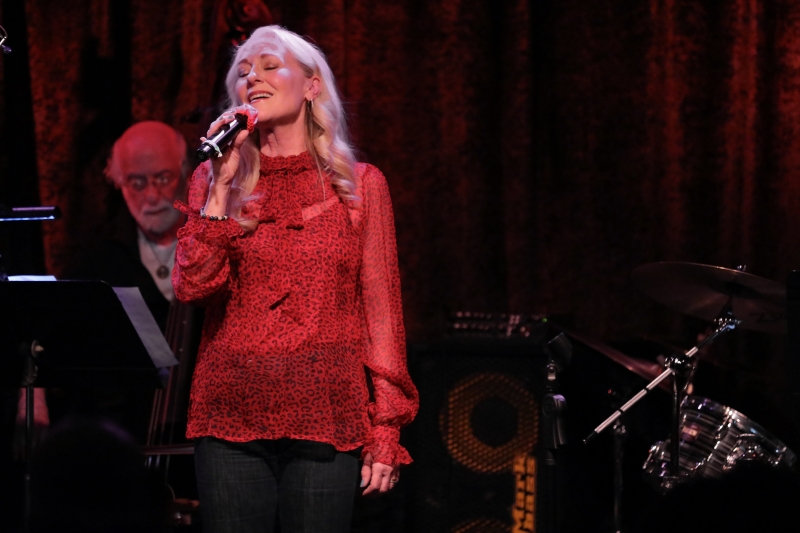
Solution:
(165, 434)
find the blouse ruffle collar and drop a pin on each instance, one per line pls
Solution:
(293, 163)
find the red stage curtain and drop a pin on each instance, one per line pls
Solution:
(537, 151)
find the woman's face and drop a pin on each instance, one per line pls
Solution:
(272, 81)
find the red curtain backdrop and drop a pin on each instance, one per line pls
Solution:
(537, 151)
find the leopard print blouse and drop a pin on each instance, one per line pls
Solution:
(300, 313)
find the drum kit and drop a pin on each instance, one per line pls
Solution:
(707, 439)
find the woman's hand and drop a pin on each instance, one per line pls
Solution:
(224, 168)
(377, 477)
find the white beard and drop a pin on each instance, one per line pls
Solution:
(157, 223)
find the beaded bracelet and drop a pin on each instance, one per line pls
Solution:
(212, 217)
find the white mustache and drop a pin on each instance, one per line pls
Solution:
(158, 209)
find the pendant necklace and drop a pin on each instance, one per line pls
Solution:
(163, 270)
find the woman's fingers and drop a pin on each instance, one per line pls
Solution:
(239, 140)
(224, 167)
(384, 487)
(225, 118)
(378, 481)
(377, 477)
(380, 476)
(366, 470)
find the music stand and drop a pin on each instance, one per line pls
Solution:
(68, 333)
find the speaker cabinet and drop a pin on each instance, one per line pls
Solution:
(479, 409)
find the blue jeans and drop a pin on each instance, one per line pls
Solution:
(249, 487)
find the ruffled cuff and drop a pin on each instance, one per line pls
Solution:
(211, 231)
(384, 445)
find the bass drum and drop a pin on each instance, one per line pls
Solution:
(714, 440)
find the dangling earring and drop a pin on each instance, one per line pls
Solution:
(310, 104)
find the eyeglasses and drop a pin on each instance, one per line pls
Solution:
(139, 182)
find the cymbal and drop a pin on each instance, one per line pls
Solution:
(646, 369)
(703, 291)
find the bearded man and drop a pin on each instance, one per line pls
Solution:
(149, 165)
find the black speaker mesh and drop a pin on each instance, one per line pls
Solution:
(479, 408)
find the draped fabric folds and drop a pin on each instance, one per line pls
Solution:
(537, 151)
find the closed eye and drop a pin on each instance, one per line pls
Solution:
(244, 70)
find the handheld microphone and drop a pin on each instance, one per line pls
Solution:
(214, 146)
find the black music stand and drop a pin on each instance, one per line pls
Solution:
(73, 333)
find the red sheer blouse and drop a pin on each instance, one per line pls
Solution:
(296, 310)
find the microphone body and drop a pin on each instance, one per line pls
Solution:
(221, 140)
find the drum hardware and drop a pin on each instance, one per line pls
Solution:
(748, 448)
(677, 365)
(714, 439)
(726, 295)
(681, 368)
(3, 38)
(643, 368)
(704, 291)
(707, 438)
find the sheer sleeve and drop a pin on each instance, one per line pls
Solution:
(202, 255)
(396, 399)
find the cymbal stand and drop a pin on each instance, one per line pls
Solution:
(619, 439)
(682, 369)
(674, 367)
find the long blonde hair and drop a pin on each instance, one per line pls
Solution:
(326, 134)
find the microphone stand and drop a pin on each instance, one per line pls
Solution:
(680, 367)
(553, 434)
